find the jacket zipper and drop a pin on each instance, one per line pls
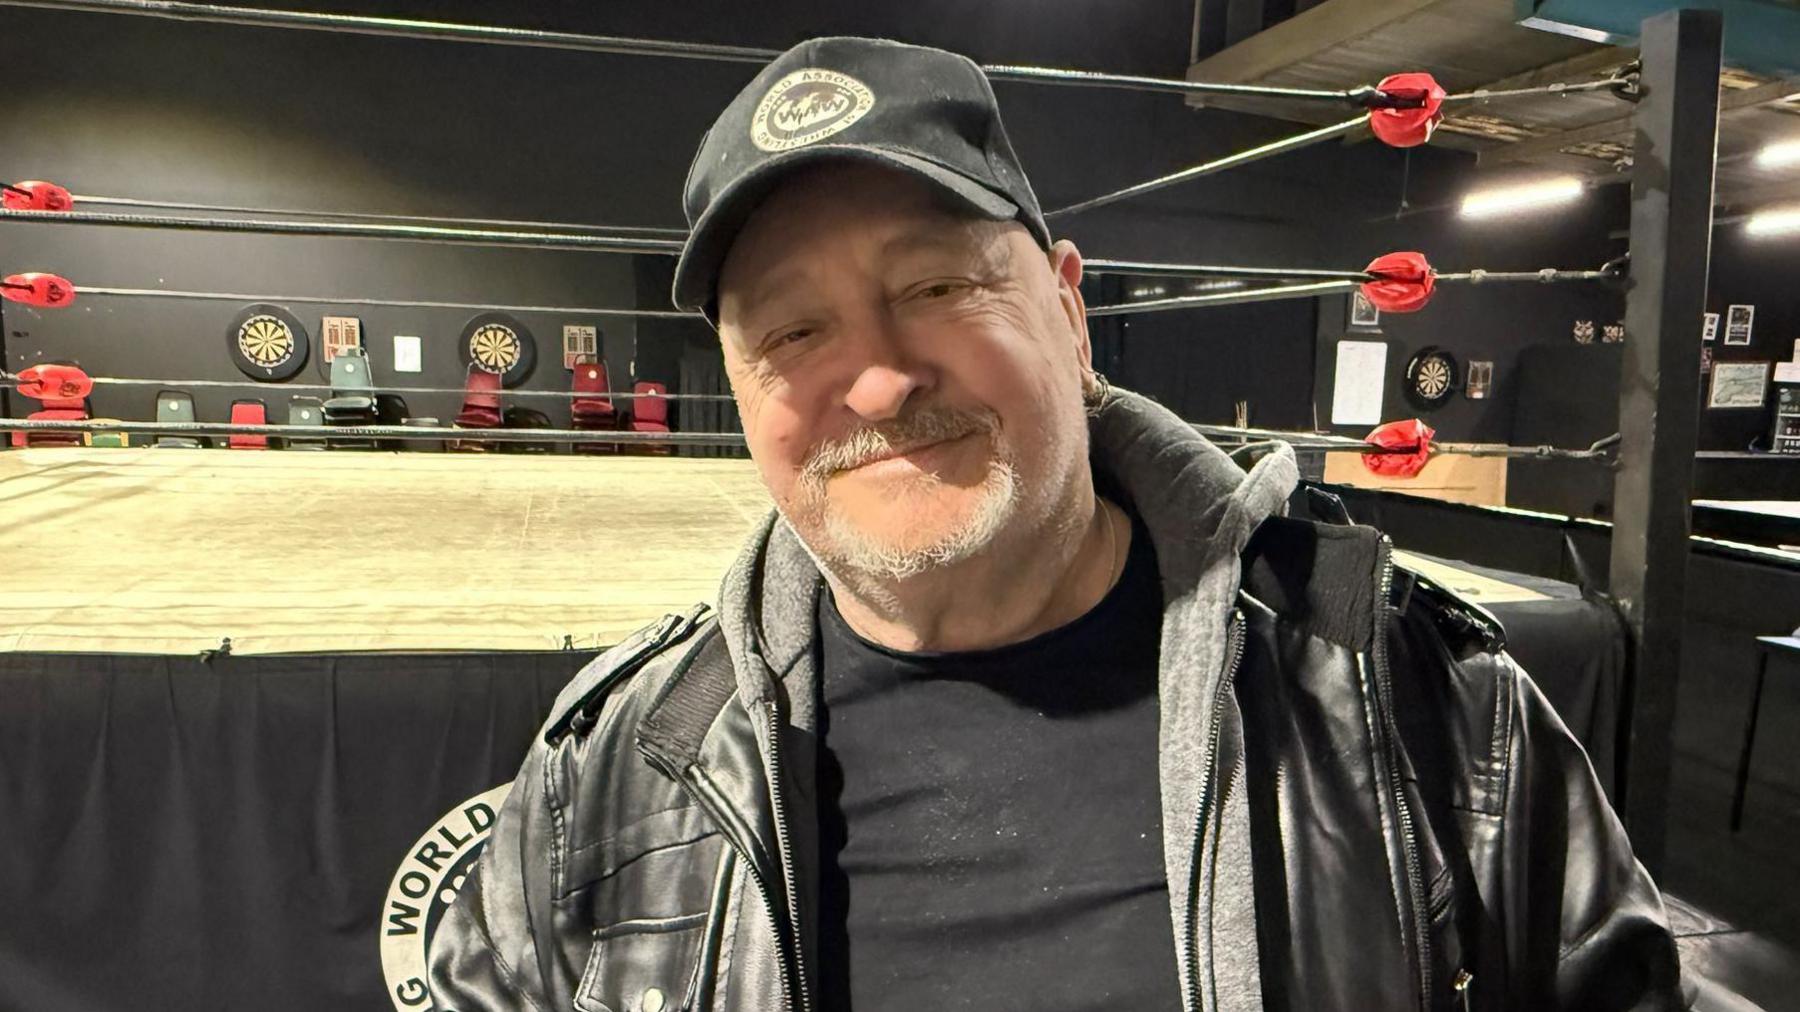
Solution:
(702, 793)
(773, 727)
(1234, 636)
(1408, 841)
(1460, 985)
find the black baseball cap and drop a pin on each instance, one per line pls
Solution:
(922, 111)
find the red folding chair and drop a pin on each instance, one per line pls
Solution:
(248, 412)
(56, 409)
(650, 413)
(593, 410)
(480, 410)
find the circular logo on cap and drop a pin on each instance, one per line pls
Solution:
(808, 106)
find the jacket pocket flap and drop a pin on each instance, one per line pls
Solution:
(648, 965)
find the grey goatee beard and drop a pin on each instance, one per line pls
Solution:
(850, 551)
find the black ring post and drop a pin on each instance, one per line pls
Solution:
(1677, 127)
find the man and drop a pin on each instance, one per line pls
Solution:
(1026, 697)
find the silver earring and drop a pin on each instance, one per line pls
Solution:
(1095, 395)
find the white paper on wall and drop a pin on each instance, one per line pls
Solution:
(1357, 388)
(408, 357)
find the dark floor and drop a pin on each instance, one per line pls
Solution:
(1749, 880)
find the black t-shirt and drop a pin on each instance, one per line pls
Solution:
(990, 826)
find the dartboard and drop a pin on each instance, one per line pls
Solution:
(497, 343)
(267, 343)
(1431, 378)
(495, 347)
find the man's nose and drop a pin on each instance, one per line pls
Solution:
(887, 377)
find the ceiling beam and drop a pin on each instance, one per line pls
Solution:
(1619, 128)
(1580, 65)
(1458, 130)
(1306, 34)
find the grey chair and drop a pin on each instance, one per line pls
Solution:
(352, 400)
(176, 406)
(305, 411)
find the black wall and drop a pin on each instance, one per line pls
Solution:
(1203, 363)
(1763, 273)
(136, 107)
(265, 117)
(1499, 323)
(281, 119)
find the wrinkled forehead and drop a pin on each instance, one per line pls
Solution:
(827, 210)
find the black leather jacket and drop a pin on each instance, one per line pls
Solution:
(1381, 810)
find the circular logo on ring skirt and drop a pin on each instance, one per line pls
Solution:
(423, 888)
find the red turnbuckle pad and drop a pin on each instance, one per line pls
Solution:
(36, 195)
(1409, 127)
(1410, 434)
(45, 291)
(54, 380)
(1402, 282)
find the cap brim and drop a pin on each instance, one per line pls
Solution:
(696, 273)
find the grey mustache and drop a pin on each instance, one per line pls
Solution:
(923, 427)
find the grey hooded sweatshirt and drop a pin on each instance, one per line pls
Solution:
(659, 851)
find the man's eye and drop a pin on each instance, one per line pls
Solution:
(788, 337)
(939, 289)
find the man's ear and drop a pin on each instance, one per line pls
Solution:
(1065, 263)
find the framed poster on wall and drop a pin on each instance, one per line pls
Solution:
(1738, 384)
(1738, 322)
(581, 343)
(1363, 314)
(1480, 380)
(340, 332)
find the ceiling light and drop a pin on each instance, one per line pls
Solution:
(1779, 156)
(1510, 199)
(1774, 221)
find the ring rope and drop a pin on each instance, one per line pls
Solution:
(510, 223)
(1131, 82)
(1602, 450)
(1351, 280)
(418, 432)
(352, 24)
(1269, 294)
(1335, 281)
(164, 293)
(497, 35)
(354, 230)
(1616, 84)
(1299, 440)
(10, 381)
(1144, 268)
(1215, 166)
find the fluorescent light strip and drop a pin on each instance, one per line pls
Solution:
(1779, 156)
(1510, 199)
(1774, 221)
